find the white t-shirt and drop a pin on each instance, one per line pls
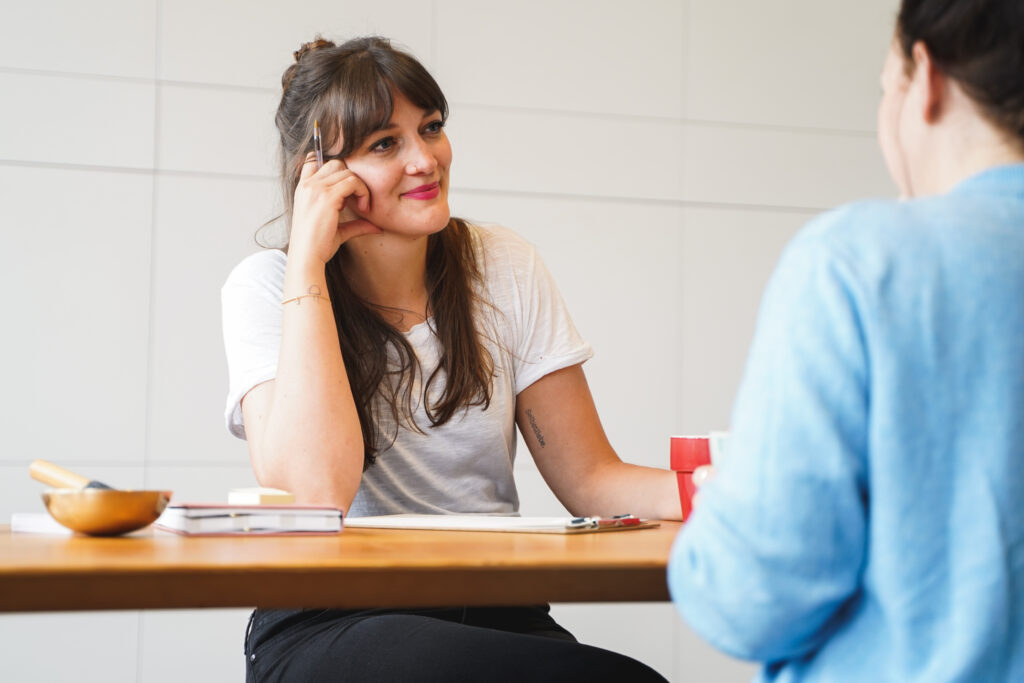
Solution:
(465, 465)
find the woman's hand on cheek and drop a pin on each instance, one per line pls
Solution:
(351, 221)
(320, 223)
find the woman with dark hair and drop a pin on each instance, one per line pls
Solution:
(866, 523)
(382, 362)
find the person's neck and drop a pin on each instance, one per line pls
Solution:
(973, 162)
(962, 146)
(389, 273)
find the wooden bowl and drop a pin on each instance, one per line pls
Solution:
(105, 512)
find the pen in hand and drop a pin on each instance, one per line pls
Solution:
(318, 145)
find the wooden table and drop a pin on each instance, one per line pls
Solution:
(357, 568)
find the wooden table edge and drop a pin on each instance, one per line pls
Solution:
(129, 587)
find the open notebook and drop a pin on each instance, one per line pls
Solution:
(541, 525)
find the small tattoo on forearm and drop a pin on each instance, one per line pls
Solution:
(536, 429)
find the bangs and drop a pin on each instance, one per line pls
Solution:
(360, 101)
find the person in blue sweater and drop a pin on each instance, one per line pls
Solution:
(867, 520)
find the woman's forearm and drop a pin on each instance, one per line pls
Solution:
(311, 442)
(559, 422)
(616, 487)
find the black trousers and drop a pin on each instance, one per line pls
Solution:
(450, 644)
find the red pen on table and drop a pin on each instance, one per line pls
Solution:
(595, 522)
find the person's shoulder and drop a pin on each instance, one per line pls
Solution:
(855, 221)
(866, 244)
(498, 238)
(263, 267)
(502, 249)
(880, 222)
(868, 230)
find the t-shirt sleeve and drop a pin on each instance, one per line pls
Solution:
(544, 337)
(251, 316)
(767, 562)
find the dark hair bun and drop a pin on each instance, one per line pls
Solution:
(318, 43)
(314, 44)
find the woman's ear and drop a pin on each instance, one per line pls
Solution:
(930, 83)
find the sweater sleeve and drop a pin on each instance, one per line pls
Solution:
(771, 558)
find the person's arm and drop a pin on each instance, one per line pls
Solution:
(302, 427)
(771, 559)
(558, 420)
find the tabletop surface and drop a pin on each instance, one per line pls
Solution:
(356, 568)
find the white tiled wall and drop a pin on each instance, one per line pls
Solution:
(545, 153)
(660, 153)
(791, 63)
(202, 226)
(109, 37)
(206, 129)
(249, 43)
(598, 56)
(111, 121)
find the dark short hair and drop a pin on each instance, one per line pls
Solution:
(979, 44)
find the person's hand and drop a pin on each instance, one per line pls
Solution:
(319, 227)
(701, 476)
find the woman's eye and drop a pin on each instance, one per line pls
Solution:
(383, 145)
(434, 126)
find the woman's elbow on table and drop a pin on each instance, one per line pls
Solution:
(319, 469)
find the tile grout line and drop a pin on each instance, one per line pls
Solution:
(434, 50)
(112, 464)
(525, 194)
(129, 170)
(670, 120)
(678, 358)
(508, 109)
(646, 201)
(155, 161)
(135, 80)
(150, 340)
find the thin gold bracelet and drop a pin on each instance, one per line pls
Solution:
(313, 291)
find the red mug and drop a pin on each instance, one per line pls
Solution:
(687, 454)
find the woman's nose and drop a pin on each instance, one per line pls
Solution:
(420, 161)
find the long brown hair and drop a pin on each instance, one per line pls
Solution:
(348, 88)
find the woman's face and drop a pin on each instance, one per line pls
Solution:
(890, 111)
(405, 167)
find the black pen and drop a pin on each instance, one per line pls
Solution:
(318, 145)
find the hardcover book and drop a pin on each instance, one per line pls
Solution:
(219, 519)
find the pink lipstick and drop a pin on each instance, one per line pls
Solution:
(423, 191)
